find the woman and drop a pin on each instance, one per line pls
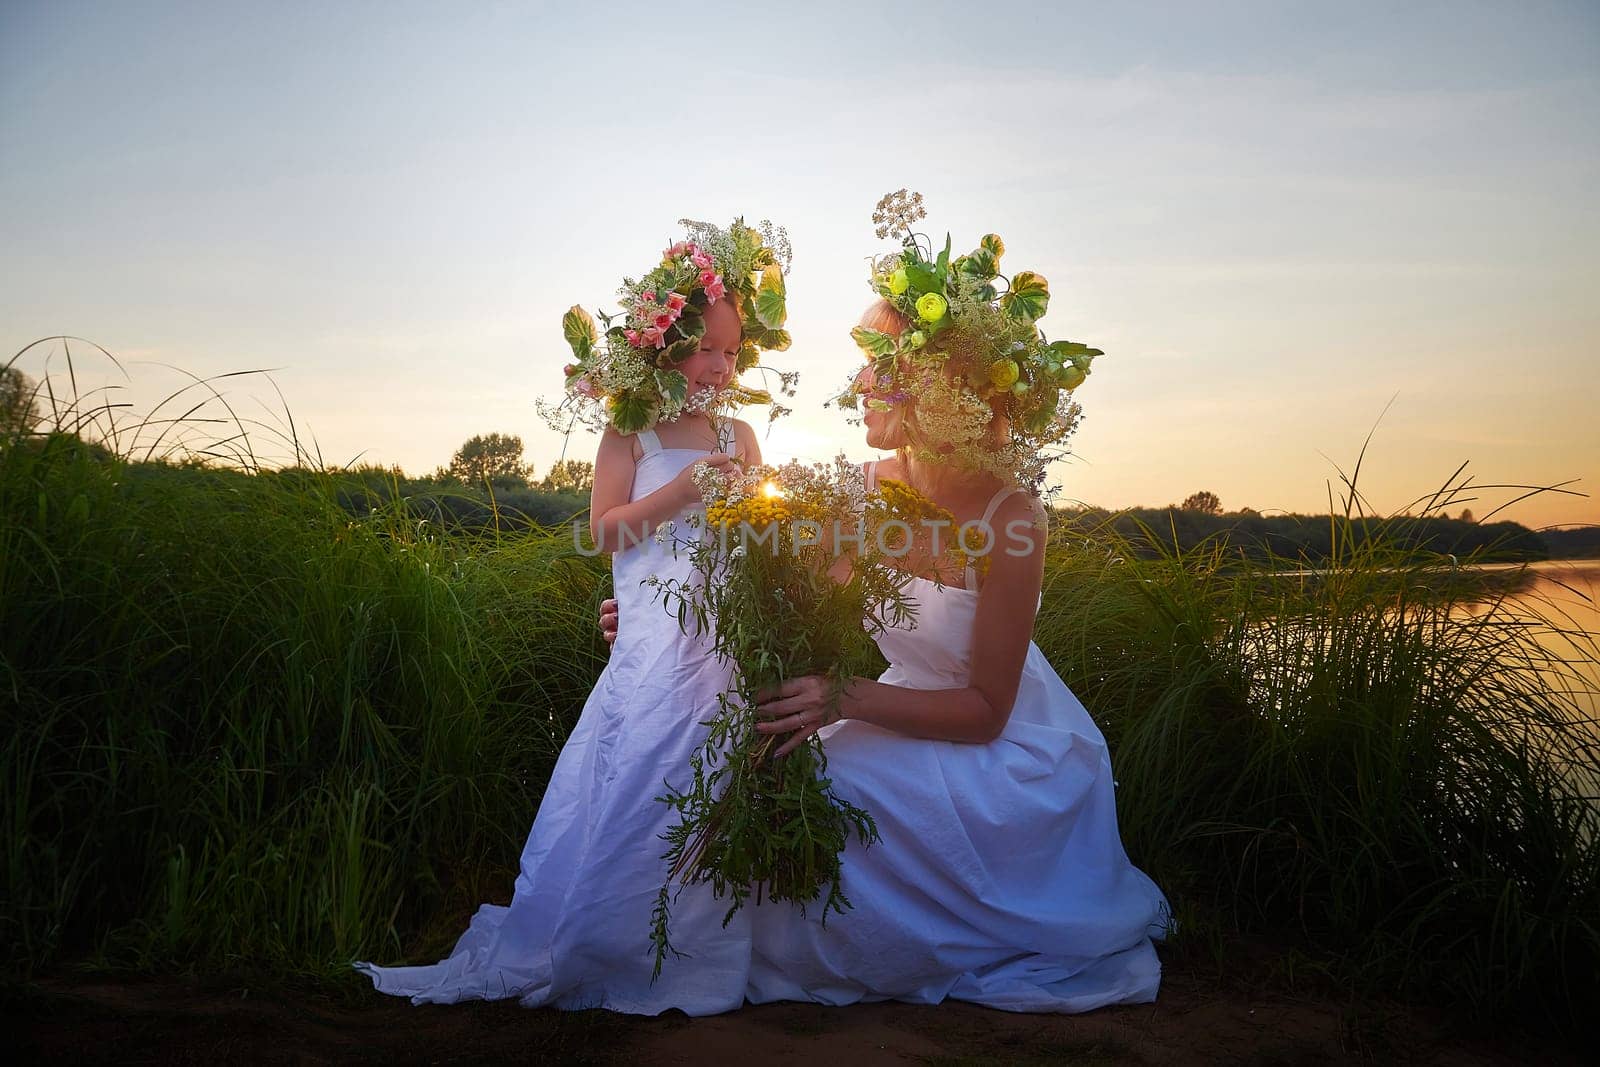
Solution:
(1000, 877)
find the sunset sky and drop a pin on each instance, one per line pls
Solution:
(1273, 217)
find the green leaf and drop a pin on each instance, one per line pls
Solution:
(978, 264)
(942, 266)
(923, 279)
(673, 385)
(677, 351)
(749, 356)
(633, 413)
(769, 302)
(578, 328)
(873, 342)
(691, 325)
(983, 261)
(1027, 298)
(992, 244)
(1079, 355)
(776, 340)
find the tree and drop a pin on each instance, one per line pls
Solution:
(569, 476)
(1466, 515)
(19, 407)
(1205, 502)
(490, 457)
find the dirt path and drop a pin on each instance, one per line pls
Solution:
(176, 1021)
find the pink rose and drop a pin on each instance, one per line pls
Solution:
(715, 290)
(663, 321)
(651, 335)
(700, 259)
(675, 301)
(585, 386)
(708, 276)
(633, 337)
(650, 295)
(676, 250)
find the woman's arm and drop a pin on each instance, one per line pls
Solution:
(976, 713)
(616, 523)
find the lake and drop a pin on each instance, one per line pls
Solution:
(1565, 593)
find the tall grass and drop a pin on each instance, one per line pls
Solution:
(251, 728)
(1344, 760)
(247, 727)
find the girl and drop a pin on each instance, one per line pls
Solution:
(576, 933)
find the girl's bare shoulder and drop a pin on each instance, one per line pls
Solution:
(616, 447)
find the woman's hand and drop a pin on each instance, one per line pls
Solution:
(803, 705)
(608, 620)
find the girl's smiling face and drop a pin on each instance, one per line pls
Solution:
(712, 365)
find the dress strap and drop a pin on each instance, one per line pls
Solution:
(988, 528)
(996, 500)
(870, 468)
(648, 441)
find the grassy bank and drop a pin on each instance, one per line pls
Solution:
(249, 728)
(252, 730)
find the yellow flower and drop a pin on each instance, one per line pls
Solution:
(898, 282)
(931, 306)
(1004, 374)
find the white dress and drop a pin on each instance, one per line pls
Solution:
(1000, 877)
(577, 931)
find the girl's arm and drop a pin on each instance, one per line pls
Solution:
(976, 713)
(616, 523)
(745, 443)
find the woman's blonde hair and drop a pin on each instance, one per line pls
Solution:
(885, 318)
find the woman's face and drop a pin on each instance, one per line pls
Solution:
(712, 365)
(885, 427)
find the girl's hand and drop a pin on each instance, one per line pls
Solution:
(803, 705)
(608, 620)
(683, 485)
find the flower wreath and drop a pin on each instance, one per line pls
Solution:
(960, 321)
(626, 375)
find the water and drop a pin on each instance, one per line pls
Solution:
(1565, 596)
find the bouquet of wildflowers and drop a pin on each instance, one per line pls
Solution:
(763, 589)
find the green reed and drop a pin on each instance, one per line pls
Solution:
(1341, 759)
(249, 728)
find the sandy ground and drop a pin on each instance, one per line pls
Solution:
(166, 1020)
